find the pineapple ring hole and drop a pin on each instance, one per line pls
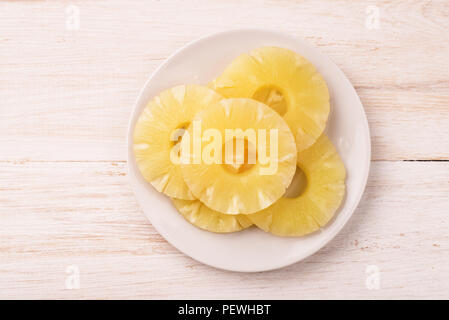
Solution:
(178, 133)
(298, 184)
(273, 97)
(236, 159)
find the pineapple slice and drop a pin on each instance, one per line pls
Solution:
(235, 184)
(316, 205)
(156, 132)
(205, 218)
(285, 81)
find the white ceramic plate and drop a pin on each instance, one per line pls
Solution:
(253, 250)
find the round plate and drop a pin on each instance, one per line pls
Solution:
(253, 250)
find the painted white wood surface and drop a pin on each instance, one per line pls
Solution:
(65, 99)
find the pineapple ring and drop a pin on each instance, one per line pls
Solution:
(322, 196)
(256, 187)
(285, 81)
(171, 110)
(207, 219)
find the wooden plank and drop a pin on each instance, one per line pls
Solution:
(65, 99)
(55, 215)
(67, 94)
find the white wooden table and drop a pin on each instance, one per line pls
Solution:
(70, 72)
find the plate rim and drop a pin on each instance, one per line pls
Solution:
(329, 236)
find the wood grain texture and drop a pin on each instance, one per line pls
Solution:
(67, 95)
(65, 99)
(55, 215)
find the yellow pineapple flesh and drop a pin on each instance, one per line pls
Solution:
(235, 187)
(158, 130)
(285, 81)
(205, 218)
(316, 205)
